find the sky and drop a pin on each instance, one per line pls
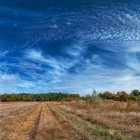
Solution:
(70, 46)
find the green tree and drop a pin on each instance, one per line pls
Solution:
(135, 92)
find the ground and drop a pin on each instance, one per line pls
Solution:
(66, 121)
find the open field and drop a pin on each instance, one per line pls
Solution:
(69, 121)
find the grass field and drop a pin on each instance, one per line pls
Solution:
(76, 120)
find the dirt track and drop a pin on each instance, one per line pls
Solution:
(45, 121)
(38, 121)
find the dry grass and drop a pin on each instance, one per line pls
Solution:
(15, 126)
(69, 121)
(123, 117)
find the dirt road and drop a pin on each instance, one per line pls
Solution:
(37, 122)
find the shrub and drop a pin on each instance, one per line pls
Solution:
(124, 97)
(116, 98)
(132, 98)
(94, 98)
(106, 95)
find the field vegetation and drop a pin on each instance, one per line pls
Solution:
(70, 117)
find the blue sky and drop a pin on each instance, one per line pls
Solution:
(69, 46)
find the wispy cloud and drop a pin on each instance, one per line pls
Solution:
(3, 53)
(85, 48)
(54, 73)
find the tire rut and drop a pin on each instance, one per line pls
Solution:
(70, 129)
(16, 127)
(48, 127)
(34, 131)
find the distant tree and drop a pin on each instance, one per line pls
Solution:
(118, 93)
(95, 98)
(106, 95)
(135, 92)
(122, 96)
(39, 97)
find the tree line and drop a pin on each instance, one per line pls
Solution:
(39, 97)
(52, 96)
(121, 96)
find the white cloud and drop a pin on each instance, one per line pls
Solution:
(3, 53)
(7, 77)
(38, 56)
(93, 76)
(77, 49)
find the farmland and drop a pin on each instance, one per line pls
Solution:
(69, 121)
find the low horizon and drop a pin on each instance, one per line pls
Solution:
(74, 46)
(85, 94)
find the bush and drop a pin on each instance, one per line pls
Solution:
(94, 98)
(132, 98)
(116, 98)
(107, 95)
(124, 97)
